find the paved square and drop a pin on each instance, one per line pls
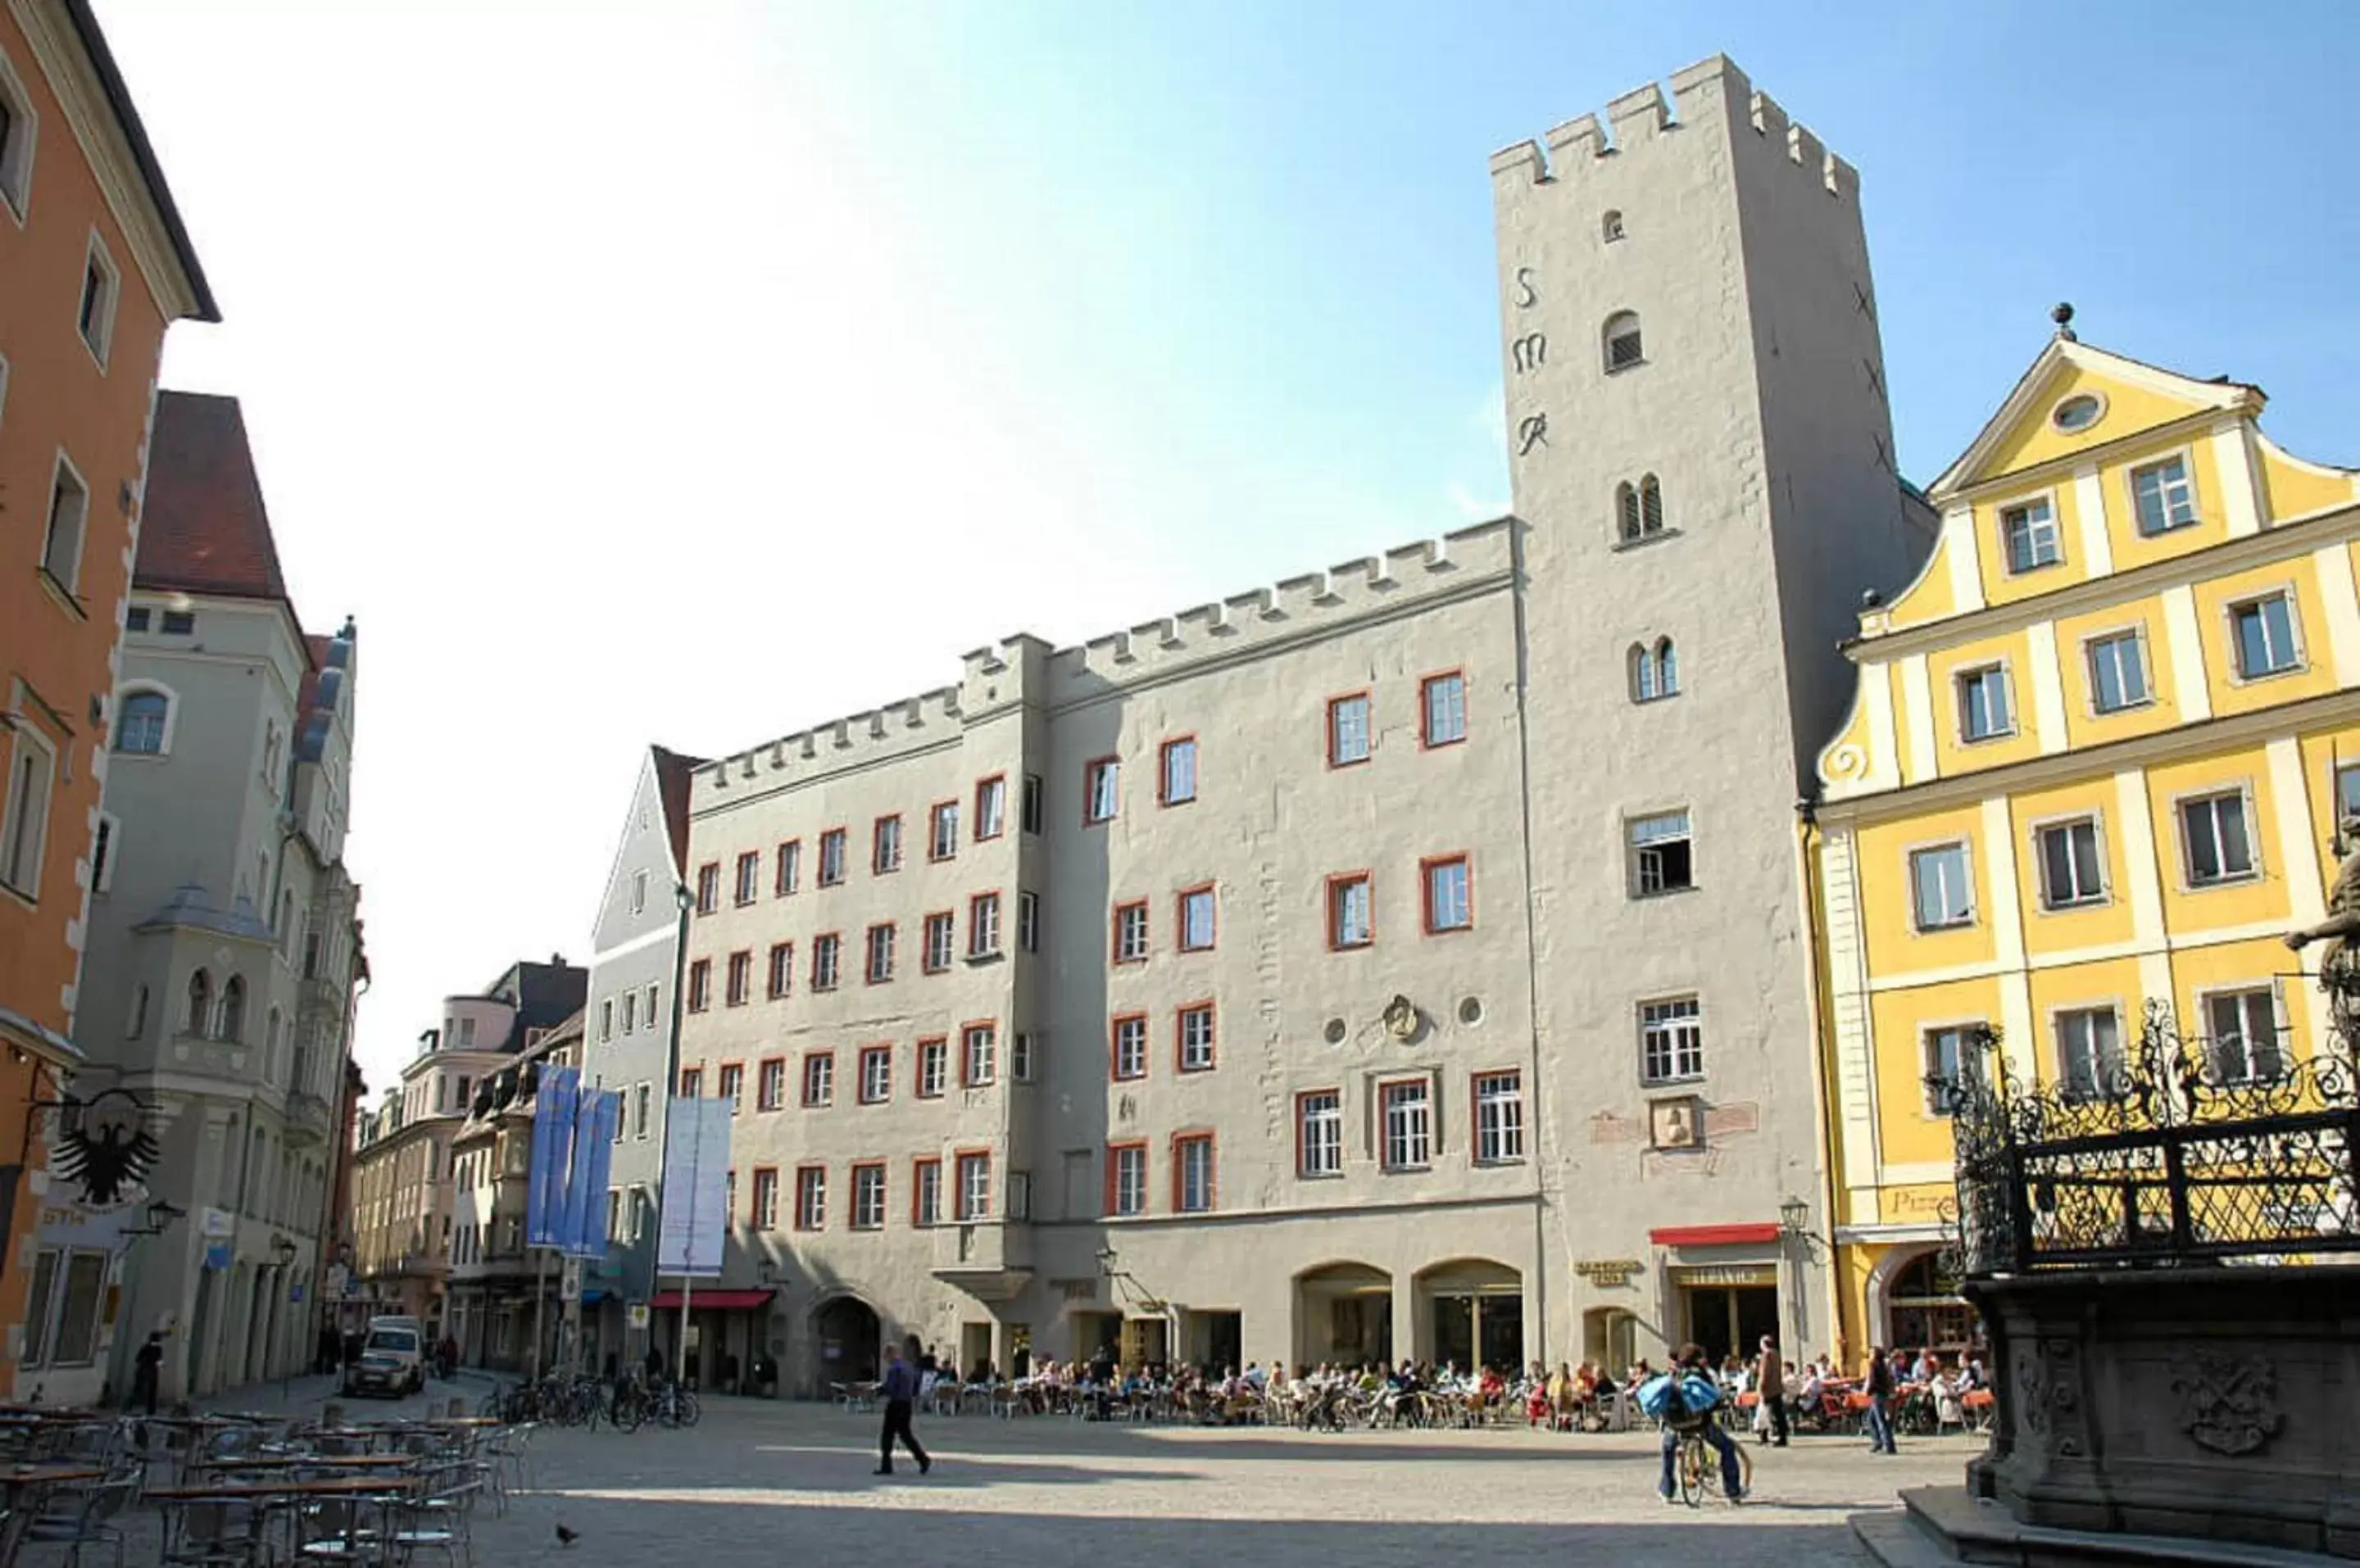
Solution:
(760, 1483)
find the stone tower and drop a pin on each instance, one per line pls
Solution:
(1703, 468)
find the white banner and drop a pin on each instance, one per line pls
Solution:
(695, 1188)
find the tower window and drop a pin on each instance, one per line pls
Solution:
(1655, 671)
(1638, 510)
(1621, 338)
(1611, 227)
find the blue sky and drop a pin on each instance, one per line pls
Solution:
(699, 372)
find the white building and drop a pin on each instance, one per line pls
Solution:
(1406, 960)
(223, 953)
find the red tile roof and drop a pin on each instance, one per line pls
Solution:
(205, 529)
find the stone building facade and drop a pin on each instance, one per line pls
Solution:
(94, 266)
(224, 940)
(1344, 970)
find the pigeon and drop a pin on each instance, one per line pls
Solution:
(567, 1536)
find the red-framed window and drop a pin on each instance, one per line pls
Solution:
(770, 1084)
(1446, 892)
(1196, 917)
(869, 1195)
(741, 977)
(782, 969)
(819, 1079)
(700, 985)
(1176, 771)
(1352, 911)
(941, 831)
(925, 1191)
(934, 1073)
(973, 1174)
(885, 845)
(709, 887)
(876, 1074)
(983, 925)
(1192, 1037)
(990, 807)
(1352, 732)
(691, 1083)
(831, 857)
(764, 1214)
(749, 876)
(788, 877)
(939, 944)
(1125, 1179)
(1128, 935)
(1127, 1047)
(827, 960)
(878, 966)
(979, 1053)
(1194, 1187)
(1442, 709)
(732, 1085)
(811, 1197)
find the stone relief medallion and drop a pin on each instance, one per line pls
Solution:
(2032, 1393)
(2227, 1403)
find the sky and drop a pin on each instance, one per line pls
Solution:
(696, 372)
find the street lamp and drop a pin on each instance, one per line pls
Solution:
(1794, 1214)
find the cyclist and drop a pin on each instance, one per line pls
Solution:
(1683, 1401)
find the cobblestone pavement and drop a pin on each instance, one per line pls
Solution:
(756, 1482)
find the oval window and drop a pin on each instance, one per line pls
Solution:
(2078, 412)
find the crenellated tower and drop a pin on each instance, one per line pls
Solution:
(1703, 467)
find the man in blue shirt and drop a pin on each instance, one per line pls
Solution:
(899, 1389)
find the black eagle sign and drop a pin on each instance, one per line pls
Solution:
(105, 1147)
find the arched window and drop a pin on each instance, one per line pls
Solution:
(140, 728)
(1611, 227)
(1626, 512)
(1621, 339)
(135, 1021)
(1655, 671)
(1651, 506)
(201, 1003)
(233, 1009)
(270, 1045)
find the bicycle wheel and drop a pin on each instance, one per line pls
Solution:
(1744, 1471)
(689, 1408)
(1692, 1471)
(628, 1413)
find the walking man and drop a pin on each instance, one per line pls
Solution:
(146, 1370)
(1770, 1387)
(899, 1388)
(1880, 1402)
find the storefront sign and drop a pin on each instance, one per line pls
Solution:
(1609, 1271)
(1727, 1274)
(217, 1255)
(215, 1224)
(1916, 1202)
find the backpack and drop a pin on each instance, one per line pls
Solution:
(1658, 1396)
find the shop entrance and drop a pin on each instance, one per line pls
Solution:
(1146, 1342)
(1344, 1316)
(1610, 1338)
(1215, 1341)
(1475, 1315)
(1924, 1310)
(1094, 1331)
(847, 1342)
(1728, 1308)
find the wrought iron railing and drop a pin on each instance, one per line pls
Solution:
(2177, 1150)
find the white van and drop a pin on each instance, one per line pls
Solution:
(393, 1359)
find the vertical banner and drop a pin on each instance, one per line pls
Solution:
(567, 1232)
(553, 1152)
(695, 1184)
(593, 1159)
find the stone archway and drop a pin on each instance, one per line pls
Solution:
(1470, 1314)
(846, 1341)
(1343, 1315)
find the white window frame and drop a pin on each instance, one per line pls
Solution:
(982, 932)
(2136, 635)
(978, 1055)
(108, 305)
(811, 1197)
(973, 1169)
(24, 850)
(70, 582)
(1454, 709)
(1909, 860)
(2047, 501)
(1028, 920)
(1128, 1181)
(2299, 658)
(16, 160)
(926, 1202)
(1961, 677)
(1177, 748)
(1927, 1029)
(1683, 1059)
(1499, 1116)
(2243, 791)
(1641, 853)
(942, 941)
(1196, 1189)
(2186, 460)
(867, 1195)
(1021, 1049)
(1196, 1055)
(1338, 733)
(876, 1087)
(1319, 1132)
(2037, 847)
(877, 955)
(143, 688)
(1406, 1141)
(1130, 933)
(990, 808)
(819, 1079)
(885, 845)
(934, 1068)
(942, 830)
(1127, 1059)
(2282, 1031)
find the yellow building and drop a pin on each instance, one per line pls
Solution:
(2096, 758)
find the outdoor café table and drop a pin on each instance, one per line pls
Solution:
(18, 1480)
(307, 1462)
(268, 1495)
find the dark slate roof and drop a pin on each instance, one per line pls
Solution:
(324, 690)
(205, 529)
(674, 770)
(151, 172)
(191, 908)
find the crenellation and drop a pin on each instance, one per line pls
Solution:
(1576, 141)
(1211, 619)
(1711, 84)
(1803, 148)
(1520, 160)
(1298, 595)
(1769, 120)
(1637, 117)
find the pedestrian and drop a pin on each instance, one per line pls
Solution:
(900, 1389)
(1770, 1387)
(1880, 1402)
(148, 1370)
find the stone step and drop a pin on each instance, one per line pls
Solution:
(1939, 1526)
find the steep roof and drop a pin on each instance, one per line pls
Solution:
(143, 153)
(673, 771)
(205, 529)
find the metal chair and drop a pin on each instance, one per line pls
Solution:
(438, 1517)
(77, 1517)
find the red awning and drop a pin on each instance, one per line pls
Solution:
(1714, 1235)
(714, 1301)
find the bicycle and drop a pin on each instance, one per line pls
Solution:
(1696, 1463)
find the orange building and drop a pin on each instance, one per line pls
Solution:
(93, 266)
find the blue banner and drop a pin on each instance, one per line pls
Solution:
(594, 1158)
(552, 1153)
(567, 1234)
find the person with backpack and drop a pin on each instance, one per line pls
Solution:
(1682, 1400)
